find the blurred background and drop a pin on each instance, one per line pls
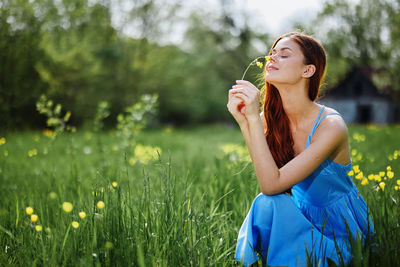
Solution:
(83, 52)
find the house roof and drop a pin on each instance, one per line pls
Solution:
(357, 83)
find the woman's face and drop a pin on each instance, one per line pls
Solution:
(286, 63)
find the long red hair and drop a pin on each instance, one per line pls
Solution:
(278, 134)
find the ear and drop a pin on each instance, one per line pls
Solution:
(308, 71)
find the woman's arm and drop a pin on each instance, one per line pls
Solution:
(331, 132)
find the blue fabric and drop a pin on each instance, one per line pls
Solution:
(323, 208)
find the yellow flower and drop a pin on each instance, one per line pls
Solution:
(356, 168)
(32, 153)
(114, 184)
(259, 64)
(52, 195)
(390, 174)
(382, 174)
(398, 182)
(371, 177)
(2, 141)
(144, 154)
(350, 173)
(67, 207)
(396, 187)
(267, 58)
(388, 168)
(29, 210)
(364, 181)
(382, 185)
(82, 214)
(75, 224)
(378, 178)
(38, 228)
(108, 245)
(34, 218)
(100, 204)
(359, 176)
(48, 230)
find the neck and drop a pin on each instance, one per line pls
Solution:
(297, 105)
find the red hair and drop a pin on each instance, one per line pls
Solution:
(278, 134)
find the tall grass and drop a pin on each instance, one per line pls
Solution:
(182, 209)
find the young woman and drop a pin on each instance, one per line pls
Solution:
(298, 145)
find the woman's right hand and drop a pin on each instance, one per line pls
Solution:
(236, 107)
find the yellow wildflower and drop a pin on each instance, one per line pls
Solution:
(259, 64)
(48, 230)
(378, 178)
(114, 184)
(350, 173)
(32, 152)
(398, 182)
(267, 58)
(82, 214)
(356, 168)
(382, 174)
(108, 245)
(371, 177)
(2, 141)
(353, 152)
(34, 218)
(359, 176)
(144, 154)
(29, 210)
(67, 206)
(364, 181)
(52, 195)
(396, 187)
(38, 228)
(388, 168)
(75, 224)
(100, 204)
(382, 185)
(390, 174)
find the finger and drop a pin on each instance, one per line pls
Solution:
(243, 97)
(238, 90)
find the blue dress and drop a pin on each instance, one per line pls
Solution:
(322, 210)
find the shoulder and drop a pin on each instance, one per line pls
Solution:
(332, 126)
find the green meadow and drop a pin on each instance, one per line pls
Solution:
(172, 197)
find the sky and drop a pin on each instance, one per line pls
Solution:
(267, 16)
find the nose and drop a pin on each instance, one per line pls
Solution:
(272, 58)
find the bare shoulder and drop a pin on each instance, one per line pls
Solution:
(332, 125)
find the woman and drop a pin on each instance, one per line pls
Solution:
(298, 145)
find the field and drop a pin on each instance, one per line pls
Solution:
(98, 202)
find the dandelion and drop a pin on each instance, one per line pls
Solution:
(350, 173)
(108, 245)
(382, 185)
(2, 141)
(371, 177)
(100, 205)
(378, 178)
(390, 174)
(34, 218)
(67, 207)
(388, 168)
(359, 176)
(52, 195)
(82, 214)
(29, 210)
(114, 184)
(256, 62)
(75, 224)
(396, 187)
(364, 181)
(356, 168)
(398, 182)
(381, 174)
(38, 228)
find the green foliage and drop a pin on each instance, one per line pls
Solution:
(184, 209)
(103, 111)
(55, 119)
(136, 118)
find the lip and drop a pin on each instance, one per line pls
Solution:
(271, 68)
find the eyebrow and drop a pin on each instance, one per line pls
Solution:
(283, 48)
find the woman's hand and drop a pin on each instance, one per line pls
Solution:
(236, 107)
(249, 95)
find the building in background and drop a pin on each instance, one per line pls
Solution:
(358, 100)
